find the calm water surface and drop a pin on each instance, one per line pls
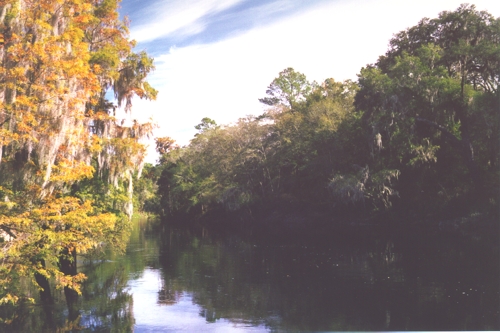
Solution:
(174, 280)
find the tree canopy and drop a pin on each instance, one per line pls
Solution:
(418, 132)
(289, 88)
(433, 97)
(66, 162)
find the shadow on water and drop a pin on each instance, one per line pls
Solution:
(104, 306)
(408, 281)
(416, 280)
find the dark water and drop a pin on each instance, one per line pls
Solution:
(173, 280)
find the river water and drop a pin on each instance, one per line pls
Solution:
(174, 280)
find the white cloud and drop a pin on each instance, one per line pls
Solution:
(181, 17)
(224, 80)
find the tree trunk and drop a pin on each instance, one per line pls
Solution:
(67, 265)
(43, 282)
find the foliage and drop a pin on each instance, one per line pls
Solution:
(285, 152)
(418, 132)
(425, 103)
(66, 163)
(164, 145)
(289, 88)
(145, 190)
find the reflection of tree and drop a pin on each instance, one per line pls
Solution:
(167, 295)
(452, 279)
(20, 318)
(409, 281)
(272, 286)
(105, 303)
(366, 285)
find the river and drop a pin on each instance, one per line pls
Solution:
(175, 279)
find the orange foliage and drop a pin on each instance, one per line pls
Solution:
(58, 59)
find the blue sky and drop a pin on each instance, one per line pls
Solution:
(215, 58)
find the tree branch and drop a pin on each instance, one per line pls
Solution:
(453, 139)
(464, 147)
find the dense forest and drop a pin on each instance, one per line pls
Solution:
(417, 136)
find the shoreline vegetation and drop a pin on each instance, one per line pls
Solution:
(416, 138)
(293, 222)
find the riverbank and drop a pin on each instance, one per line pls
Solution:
(300, 222)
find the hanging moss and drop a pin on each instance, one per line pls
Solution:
(57, 61)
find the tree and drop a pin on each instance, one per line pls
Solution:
(59, 137)
(205, 125)
(164, 144)
(257, 160)
(435, 93)
(289, 88)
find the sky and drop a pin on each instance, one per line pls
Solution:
(215, 58)
(181, 316)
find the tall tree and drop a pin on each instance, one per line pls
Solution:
(436, 91)
(289, 88)
(57, 60)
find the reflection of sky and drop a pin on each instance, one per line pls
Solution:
(182, 316)
(215, 58)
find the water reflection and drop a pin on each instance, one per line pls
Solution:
(430, 282)
(106, 303)
(182, 315)
(174, 279)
